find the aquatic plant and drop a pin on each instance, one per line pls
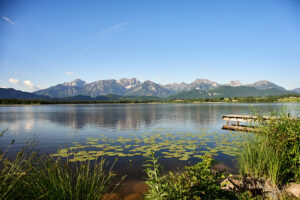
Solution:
(180, 145)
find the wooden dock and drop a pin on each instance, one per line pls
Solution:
(248, 122)
(237, 119)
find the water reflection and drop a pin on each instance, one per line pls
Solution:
(59, 125)
(120, 117)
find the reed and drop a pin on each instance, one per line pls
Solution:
(13, 172)
(58, 179)
(30, 176)
(272, 153)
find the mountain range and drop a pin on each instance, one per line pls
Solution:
(200, 88)
(134, 87)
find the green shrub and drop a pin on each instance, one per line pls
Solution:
(195, 182)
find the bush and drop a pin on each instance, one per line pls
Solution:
(195, 182)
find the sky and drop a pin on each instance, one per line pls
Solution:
(44, 43)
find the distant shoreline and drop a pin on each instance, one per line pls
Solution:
(104, 103)
(161, 100)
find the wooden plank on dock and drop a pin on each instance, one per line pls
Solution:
(243, 118)
(238, 128)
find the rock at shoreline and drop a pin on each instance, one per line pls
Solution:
(231, 184)
(293, 189)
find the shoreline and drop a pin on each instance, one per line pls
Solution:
(102, 103)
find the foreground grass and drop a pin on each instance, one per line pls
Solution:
(29, 176)
(273, 152)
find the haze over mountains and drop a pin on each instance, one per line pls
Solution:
(200, 88)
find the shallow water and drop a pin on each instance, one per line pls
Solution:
(62, 126)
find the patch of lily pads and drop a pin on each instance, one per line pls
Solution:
(180, 145)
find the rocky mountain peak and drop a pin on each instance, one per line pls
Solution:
(176, 86)
(129, 83)
(202, 84)
(235, 83)
(75, 83)
(263, 85)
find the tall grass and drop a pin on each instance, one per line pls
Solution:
(29, 176)
(273, 151)
(12, 173)
(260, 160)
(57, 179)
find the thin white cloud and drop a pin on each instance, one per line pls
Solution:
(70, 73)
(14, 81)
(3, 86)
(29, 84)
(97, 36)
(8, 20)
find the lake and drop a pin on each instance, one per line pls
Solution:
(179, 133)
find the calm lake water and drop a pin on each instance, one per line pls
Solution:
(121, 126)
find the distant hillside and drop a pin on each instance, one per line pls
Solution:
(149, 88)
(93, 89)
(200, 84)
(10, 93)
(109, 97)
(263, 85)
(229, 91)
(297, 90)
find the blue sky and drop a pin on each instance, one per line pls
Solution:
(43, 43)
